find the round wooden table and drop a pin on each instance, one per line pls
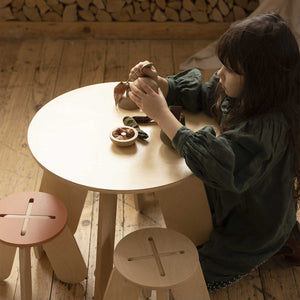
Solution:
(69, 138)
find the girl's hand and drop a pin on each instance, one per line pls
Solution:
(152, 103)
(139, 71)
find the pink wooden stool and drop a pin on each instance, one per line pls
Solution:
(157, 259)
(29, 219)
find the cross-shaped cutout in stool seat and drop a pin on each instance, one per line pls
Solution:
(31, 218)
(156, 255)
(27, 216)
(155, 258)
(141, 253)
(28, 219)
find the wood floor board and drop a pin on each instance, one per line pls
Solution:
(93, 68)
(296, 272)
(139, 50)
(220, 295)
(15, 157)
(46, 73)
(18, 96)
(90, 284)
(183, 49)
(162, 57)
(9, 51)
(278, 280)
(70, 70)
(116, 64)
(248, 288)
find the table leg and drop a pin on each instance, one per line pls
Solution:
(192, 289)
(7, 255)
(120, 288)
(105, 243)
(139, 200)
(65, 257)
(72, 195)
(185, 209)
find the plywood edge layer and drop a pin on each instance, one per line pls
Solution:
(113, 30)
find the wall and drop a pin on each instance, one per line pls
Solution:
(201, 11)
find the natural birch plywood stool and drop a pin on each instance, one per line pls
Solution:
(157, 259)
(28, 219)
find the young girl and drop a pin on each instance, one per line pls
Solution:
(251, 170)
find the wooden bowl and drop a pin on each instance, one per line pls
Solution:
(123, 136)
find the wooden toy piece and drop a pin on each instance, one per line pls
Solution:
(121, 88)
(127, 103)
(124, 136)
(157, 259)
(29, 219)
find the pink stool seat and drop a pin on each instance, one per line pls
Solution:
(28, 219)
(31, 218)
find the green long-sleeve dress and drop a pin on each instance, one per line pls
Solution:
(248, 176)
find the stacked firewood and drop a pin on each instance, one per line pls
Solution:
(201, 11)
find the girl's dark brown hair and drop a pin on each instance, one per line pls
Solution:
(265, 51)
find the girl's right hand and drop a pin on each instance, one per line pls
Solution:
(151, 102)
(139, 71)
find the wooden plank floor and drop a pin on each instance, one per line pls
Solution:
(32, 72)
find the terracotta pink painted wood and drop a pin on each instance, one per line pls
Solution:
(28, 219)
(45, 220)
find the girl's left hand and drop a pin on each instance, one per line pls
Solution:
(139, 71)
(153, 104)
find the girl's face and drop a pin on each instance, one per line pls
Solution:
(231, 82)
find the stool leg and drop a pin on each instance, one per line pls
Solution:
(38, 252)
(162, 295)
(7, 255)
(25, 273)
(118, 288)
(193, 289)
(70, 194)
(66, 258)
(139, 201)
(105, 243)
(147, 293)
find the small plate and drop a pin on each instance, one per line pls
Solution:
(127, 136)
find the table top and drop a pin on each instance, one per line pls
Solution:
(69, 137)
